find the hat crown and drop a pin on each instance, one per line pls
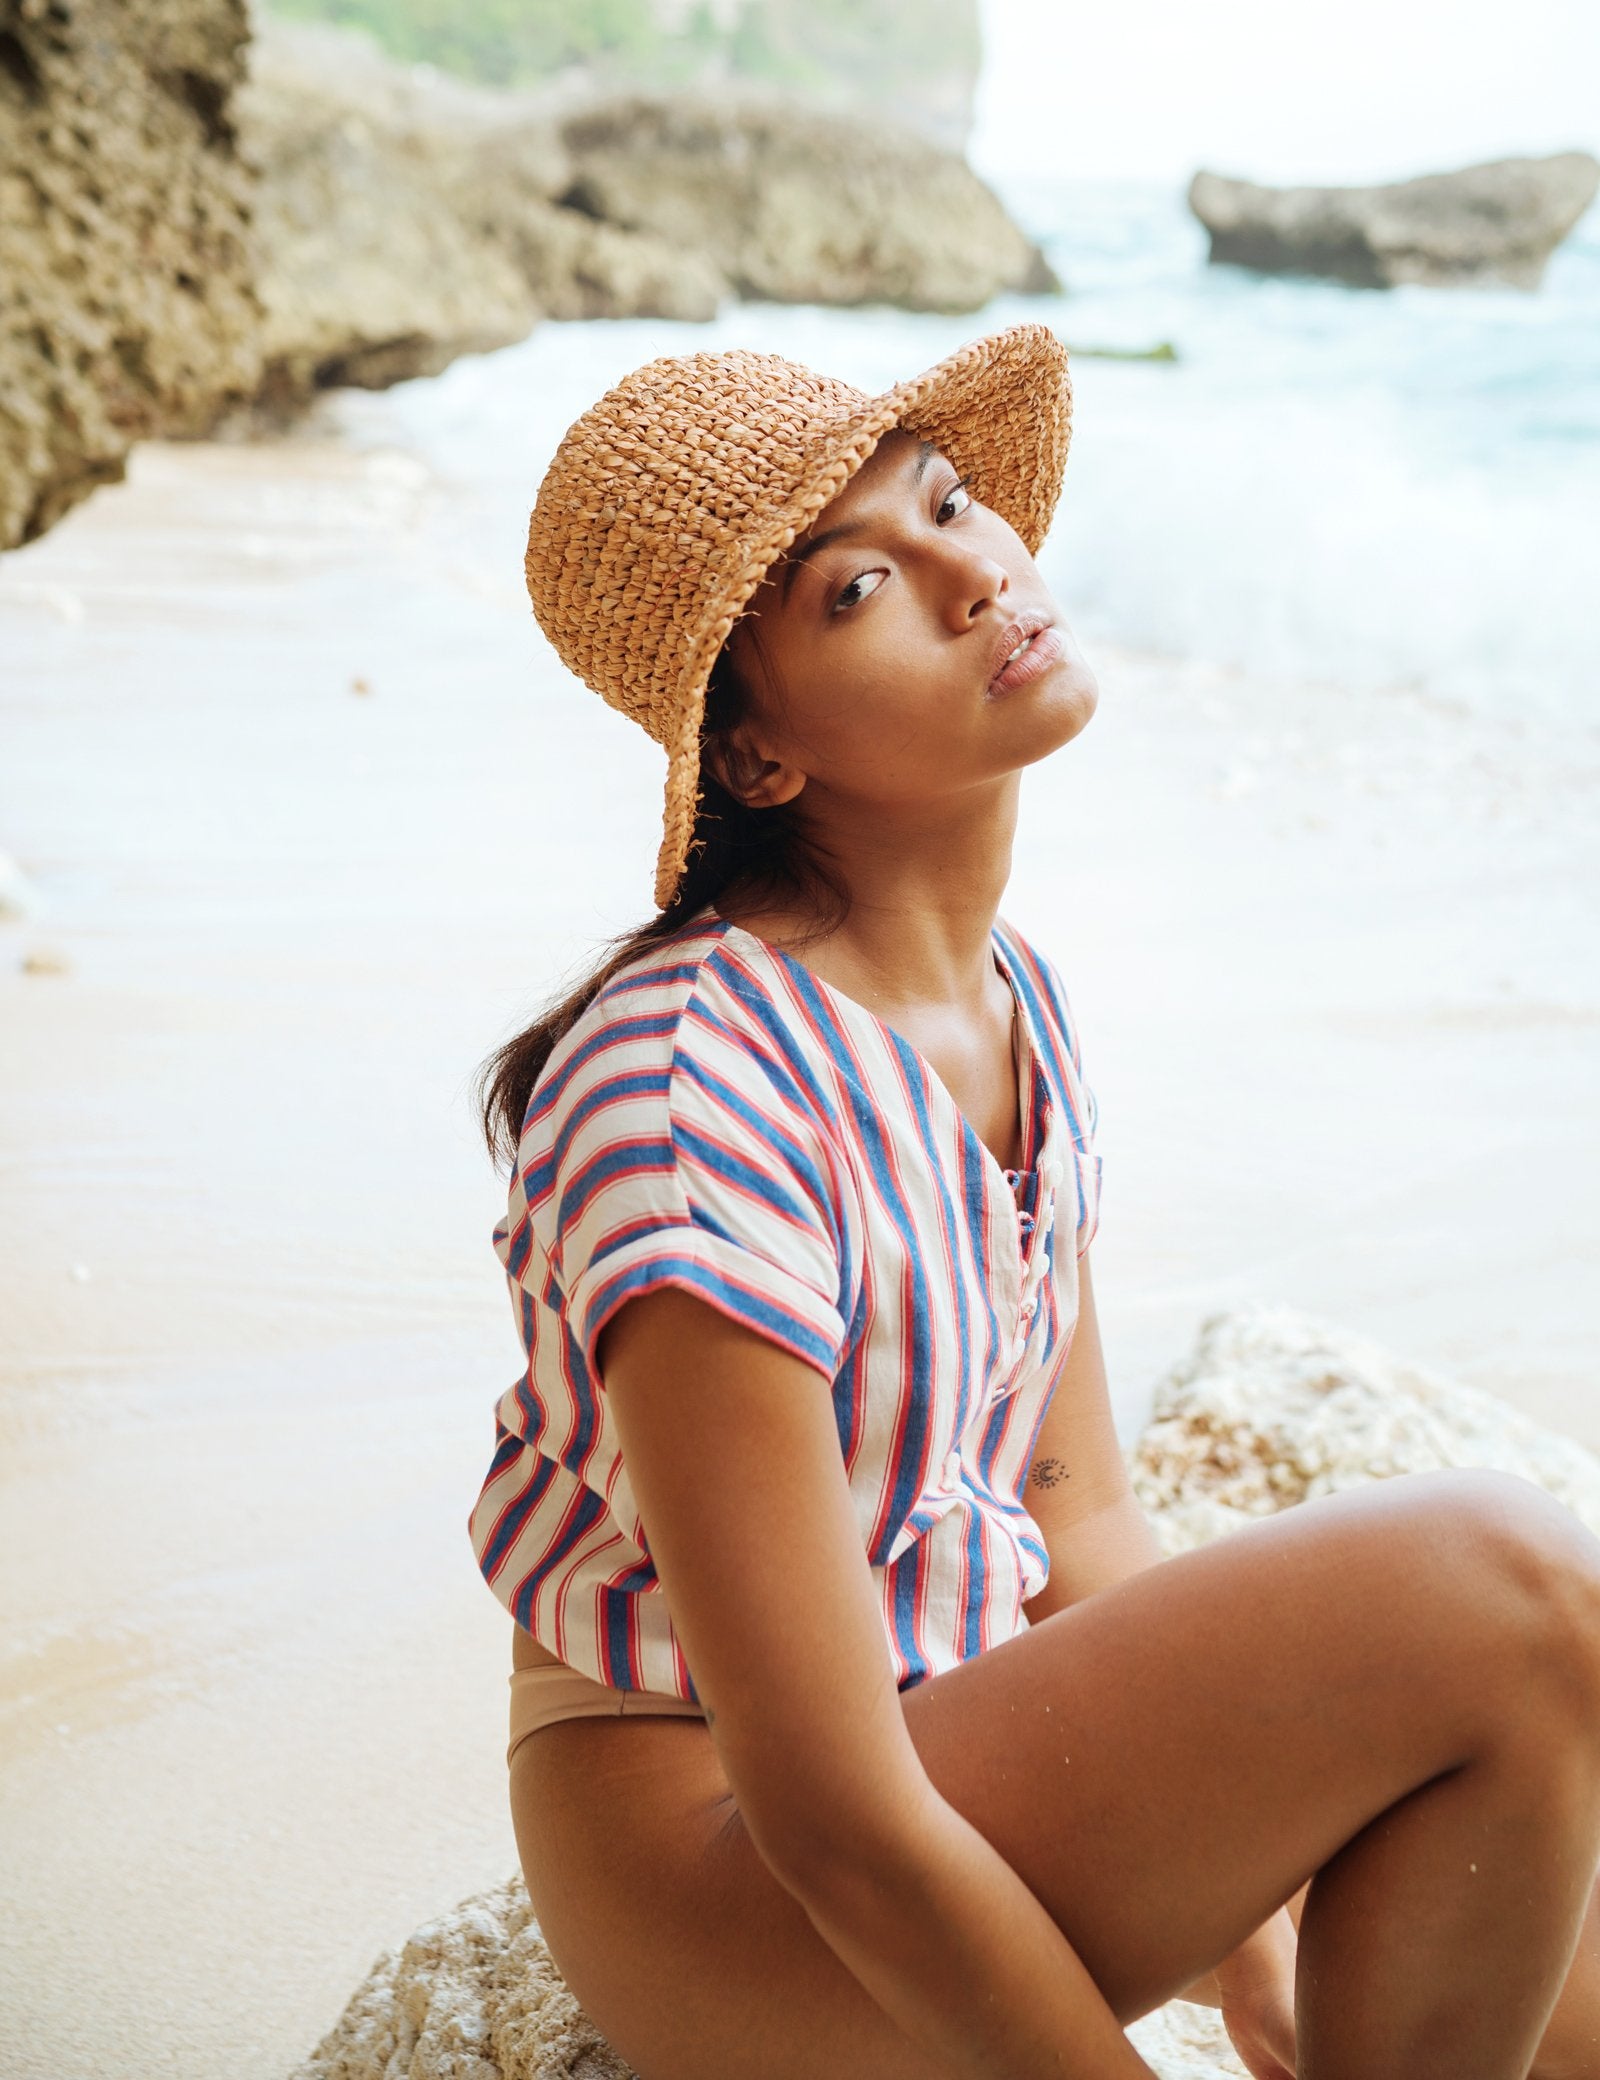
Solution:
(657, 495)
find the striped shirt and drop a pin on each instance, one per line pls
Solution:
(721, 1120)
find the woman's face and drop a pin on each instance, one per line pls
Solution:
(875, 650)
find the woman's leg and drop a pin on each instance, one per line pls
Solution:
(1570, 2048)
(1393, 1693)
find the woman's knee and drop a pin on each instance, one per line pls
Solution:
(1530, 1573)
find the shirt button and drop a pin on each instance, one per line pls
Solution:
(952, 1469)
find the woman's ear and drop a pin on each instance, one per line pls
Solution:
(740, 766)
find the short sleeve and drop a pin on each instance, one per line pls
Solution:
(706, 1179)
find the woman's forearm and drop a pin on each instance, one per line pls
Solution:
(954, 1947)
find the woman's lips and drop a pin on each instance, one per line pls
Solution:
(1045, 650)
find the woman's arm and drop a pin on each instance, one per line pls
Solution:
(732, 1451)
(1078, 1491)
(1079, 1494)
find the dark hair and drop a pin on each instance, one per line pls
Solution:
(759, 852)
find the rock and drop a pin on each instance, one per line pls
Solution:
(473, 1996)
(801, 206)
(1498, 222)
(1272, 1409)
(367, 272)
(124, 209)
(405, 218)
(574, 267)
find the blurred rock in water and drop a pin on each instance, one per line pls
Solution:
(795, 205)
(127, 306)
(1498, 222)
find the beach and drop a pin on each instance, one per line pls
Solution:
(307, 819)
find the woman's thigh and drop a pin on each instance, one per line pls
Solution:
(1164, 1764)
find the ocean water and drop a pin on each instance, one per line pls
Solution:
(1363, 487)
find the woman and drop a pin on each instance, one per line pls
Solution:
(798, 1239)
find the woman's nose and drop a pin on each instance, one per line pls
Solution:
(973, 583)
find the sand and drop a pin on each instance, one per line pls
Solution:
(302, 818)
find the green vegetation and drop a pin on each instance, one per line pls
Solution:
(842, 45)
(1163, 350)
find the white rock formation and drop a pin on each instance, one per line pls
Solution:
(1272, 1409)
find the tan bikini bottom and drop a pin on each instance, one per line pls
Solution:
(545, 1691)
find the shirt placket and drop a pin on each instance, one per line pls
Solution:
(1039, 1236)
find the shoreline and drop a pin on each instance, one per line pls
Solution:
(1328, 949)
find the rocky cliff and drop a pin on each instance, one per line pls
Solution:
(127, 305)
(404, 218)
(1496, 223)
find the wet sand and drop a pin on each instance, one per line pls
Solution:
(309, 818)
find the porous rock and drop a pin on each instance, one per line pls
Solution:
(1495, 223)
(1272, 1409)
(126, 306)
(798, 205)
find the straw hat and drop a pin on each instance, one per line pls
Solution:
(669, 500)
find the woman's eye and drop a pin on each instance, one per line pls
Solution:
(956, 500)
(853, 594)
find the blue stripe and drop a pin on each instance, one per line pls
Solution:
(519, 1248)
(514, 1518)
(1051, 1023)
(784, 1145)
(903, 1576)
(506, 1451)
(805, 1091)
(615, 1602)
(622, 1155)
(692, 1276)
(533, 1413)
(609, 1090)
(646, 1025)
(977, 1584)
(912, 1064)
(734, 1169)
(632, 978)
(910, 1467)
(585, 1517)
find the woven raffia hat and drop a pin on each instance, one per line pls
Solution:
(669, 500)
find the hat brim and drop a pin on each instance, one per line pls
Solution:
(1000, 408)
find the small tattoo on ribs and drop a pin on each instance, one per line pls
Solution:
(1049, 1473)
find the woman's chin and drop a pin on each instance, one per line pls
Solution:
(1067, 700)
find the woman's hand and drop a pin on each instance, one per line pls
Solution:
(1256, 1985)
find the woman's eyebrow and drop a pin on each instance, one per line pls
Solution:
(793, 560)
